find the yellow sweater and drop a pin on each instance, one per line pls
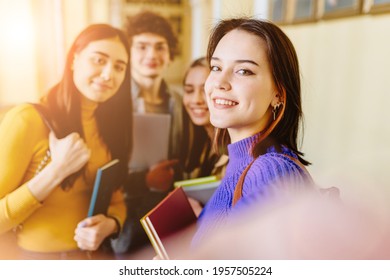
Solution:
(48, 226)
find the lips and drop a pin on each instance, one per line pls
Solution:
(101, 86)
(151, 65)
(199, 111)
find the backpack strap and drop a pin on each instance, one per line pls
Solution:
(238, 189)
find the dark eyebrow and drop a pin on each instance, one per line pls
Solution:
(238, 61)
(149, 43)
(102, 53)
(106, 55)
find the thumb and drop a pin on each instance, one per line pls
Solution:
(90, 221)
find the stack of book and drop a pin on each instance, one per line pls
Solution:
(169, 224)
(200, 189)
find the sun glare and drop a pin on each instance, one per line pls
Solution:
(17, 51)
(18, 27)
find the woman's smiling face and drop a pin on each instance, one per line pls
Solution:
(240, 87)
(100, 68)
(194, 99)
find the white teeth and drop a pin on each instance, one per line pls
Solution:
(225, 102)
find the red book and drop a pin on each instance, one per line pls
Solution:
(171, 216)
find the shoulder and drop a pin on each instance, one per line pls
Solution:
(24, 111)
(275, 160)
(273, 173)
(23, 115)
(274, 166)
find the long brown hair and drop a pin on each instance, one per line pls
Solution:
(284, 65)
(114, 117)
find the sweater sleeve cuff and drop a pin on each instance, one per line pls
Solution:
(22, 203)
(115, 235)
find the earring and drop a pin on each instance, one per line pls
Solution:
(276, 109)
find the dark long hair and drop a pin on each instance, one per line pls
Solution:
(113, 117)
(195, 138)
(284, 65)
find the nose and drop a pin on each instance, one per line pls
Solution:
(199, 96)
(222, 82)
(151, 52)
(106, 73)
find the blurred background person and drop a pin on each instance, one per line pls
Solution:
(198, 159)
(153, 44)
(48, 175)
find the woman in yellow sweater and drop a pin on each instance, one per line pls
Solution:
(45, 196)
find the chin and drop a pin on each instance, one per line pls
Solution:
(218, 124)
(199, 122)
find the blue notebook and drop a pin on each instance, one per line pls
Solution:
(105, 182)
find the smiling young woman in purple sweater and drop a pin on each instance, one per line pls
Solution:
(254, 97)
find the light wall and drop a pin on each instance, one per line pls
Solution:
(238, 8)
(346, 91)
(17, 52)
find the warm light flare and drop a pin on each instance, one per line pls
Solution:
(17, 27)
(17, 51)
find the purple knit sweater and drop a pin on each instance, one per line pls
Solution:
(259, 181)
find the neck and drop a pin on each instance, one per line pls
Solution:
(88, 107)
(149, 88)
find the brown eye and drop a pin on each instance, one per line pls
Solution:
(99, 60)
(188, 90)
(119, 68)
(140, 47)
(245, 72)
